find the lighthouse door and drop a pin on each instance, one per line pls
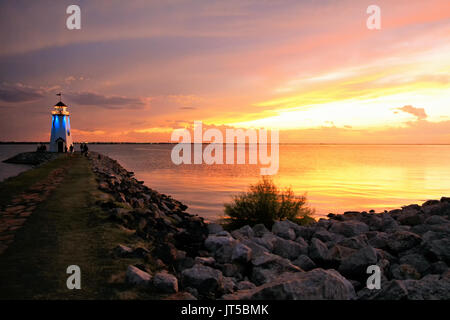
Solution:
(60, 146)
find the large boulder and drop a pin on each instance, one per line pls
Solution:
(438, 249)
(349, 228)
(244, 232)
(241, 253)
(289, 249)
(304, 262)
(403, 272)
(378, 239)
(318, 284)
(337, 254)
(205, 279)
(267, 240)
(356, 264)
(214, 242)
(403, 240)
(165, 282)
(318, 251)
(416, 260)
(326, 236)
(357, 242)
(269, 266)
(284, 229)
(431, 287)
(137, 276)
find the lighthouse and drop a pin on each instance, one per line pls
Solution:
(61, 137)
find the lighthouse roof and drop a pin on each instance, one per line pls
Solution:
(60, 104)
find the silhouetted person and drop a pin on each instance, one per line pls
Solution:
(71, 148)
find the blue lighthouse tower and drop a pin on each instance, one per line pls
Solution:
(61, 137)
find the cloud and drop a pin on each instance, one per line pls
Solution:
(188, 108)
(103, 101)
(418, 112)
(18, 93)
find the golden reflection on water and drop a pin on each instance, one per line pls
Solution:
(336, 178)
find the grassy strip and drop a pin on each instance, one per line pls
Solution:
(67, 229)
(13, 186)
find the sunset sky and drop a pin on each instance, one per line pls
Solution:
(137, 70)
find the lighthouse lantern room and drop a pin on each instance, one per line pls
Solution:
(61, 138)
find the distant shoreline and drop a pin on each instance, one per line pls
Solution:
(293, 143)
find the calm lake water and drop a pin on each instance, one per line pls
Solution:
(336, 178)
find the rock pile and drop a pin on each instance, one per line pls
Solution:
(325, 260)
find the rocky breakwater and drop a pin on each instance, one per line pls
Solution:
(325, 260)
(172, 236)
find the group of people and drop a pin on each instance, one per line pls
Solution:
(41, 147)
(84, 149)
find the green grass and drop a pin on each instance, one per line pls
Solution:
(16, 185)
(66, 229)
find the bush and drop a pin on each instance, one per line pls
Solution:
(265, 203)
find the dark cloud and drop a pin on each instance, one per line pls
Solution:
(18, 93)
(418, 112)
(99, 100)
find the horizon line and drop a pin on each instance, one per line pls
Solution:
(280, 143)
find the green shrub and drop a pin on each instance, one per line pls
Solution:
(265, 203)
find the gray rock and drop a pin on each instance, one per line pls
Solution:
(232, 270)
(349, 228)
(165, 282)
(268, 267)
(241, 253)
(379, 240)
(245, 285)
(431, 287)
(392, 290)
(289, 249)
(267, 240)
(337, 254)
(357, 263)
(205, 279)
(214, 242)
(207, 261)
(318, 251)
(403, 240)
(428, 288)
(284, 229)
(306, 232)
(439, 249)
(257, 249)
(357, 242)
(229, 285)
(259, 230)
(403, 272)
(436, 220)
(137, 276)
(416, 260)
(388, 224)
(317, 284)
(326, 236)
(438, 267)
(244, 232)
(304, 262)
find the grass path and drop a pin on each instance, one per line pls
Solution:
(66, 229)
